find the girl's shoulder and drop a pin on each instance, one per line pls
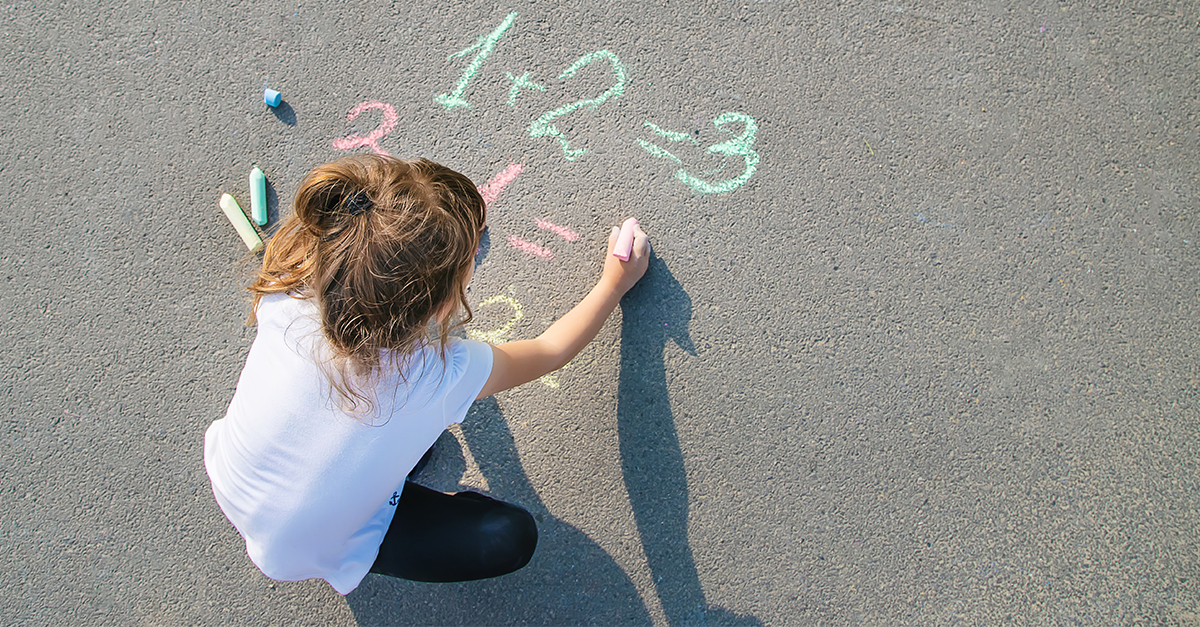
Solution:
(284, 304)
(288, 314)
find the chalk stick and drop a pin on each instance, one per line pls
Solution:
(625, 240)
(238, 219)
(258, 196)
(271, 97)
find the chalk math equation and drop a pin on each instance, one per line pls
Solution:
(740, 127)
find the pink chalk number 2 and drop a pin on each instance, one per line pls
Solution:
(350, 142)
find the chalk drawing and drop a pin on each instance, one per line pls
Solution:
(675, 137)
(519, 83)
(542, 127)
(740, 146)
(484, 45)
(659, 152)
(491, 190)
(501, 334)
(530, 247)
(560, 231)
(351, 142)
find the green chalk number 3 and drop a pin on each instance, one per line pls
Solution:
(741, 145)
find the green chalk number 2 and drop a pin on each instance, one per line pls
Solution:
(542, 126)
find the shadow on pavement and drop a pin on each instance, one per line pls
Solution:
(654, 311)
(569, 581)
(284, 113)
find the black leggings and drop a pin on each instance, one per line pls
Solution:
(454, 537)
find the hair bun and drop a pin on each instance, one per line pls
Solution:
(357, 203)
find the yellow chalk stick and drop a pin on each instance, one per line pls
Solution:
(238, 219)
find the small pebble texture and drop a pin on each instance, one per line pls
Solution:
(936, 362)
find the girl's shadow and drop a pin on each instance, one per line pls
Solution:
(657, 311)
(569, 581)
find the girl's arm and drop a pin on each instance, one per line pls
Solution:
(516, 363)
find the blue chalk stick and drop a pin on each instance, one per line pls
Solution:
(271, 97)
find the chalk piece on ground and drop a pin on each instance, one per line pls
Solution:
(625, 240)
(258, 196)
(271, 97)
(238, 219)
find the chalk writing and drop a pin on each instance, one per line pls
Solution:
(659, 152)
(675, 137)
(542, 127)
(519, 83)
(560, 231)
(530, 247)
(491, 190)
(740, 146)
(351, 142)
(484, 45)
(500, 334)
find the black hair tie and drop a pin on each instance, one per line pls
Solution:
(357, 203)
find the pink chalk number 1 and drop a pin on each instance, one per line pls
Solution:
(350, 142)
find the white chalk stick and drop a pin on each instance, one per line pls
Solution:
(625, 240)
(237, 218)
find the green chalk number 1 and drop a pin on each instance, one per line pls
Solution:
(484, 45)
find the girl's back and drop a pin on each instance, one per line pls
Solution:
(299, 477)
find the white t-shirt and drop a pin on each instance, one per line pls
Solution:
(310, 488)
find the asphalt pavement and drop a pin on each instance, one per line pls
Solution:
(918, 346)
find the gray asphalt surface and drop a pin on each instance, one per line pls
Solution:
(933, 363)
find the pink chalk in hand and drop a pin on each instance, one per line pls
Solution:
(625, 240)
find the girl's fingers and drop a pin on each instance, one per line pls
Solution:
(641, 242)
(612, 238)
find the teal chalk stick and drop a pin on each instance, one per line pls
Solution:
(258, 196)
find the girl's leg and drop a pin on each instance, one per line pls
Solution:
(454, 537)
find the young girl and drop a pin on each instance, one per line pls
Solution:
(353, 375)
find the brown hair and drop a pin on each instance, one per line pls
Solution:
(382, 245)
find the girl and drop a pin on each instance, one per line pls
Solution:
(353, 374)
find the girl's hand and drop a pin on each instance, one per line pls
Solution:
(622, 275)
(523, 361)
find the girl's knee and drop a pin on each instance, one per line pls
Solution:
(515, 530)
(524, 535)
